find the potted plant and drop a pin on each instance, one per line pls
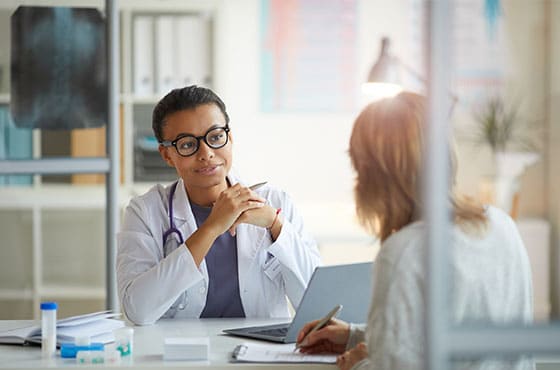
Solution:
(499, 127)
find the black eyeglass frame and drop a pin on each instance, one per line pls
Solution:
(167, 143)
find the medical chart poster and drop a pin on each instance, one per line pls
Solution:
(308, 56)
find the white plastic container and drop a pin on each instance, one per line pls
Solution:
(90, 357)
(111, 356)
(124, 340)
(48, 329)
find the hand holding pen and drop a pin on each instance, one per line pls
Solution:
(265, 216)
(303, 336)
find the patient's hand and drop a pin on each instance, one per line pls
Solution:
(332, 338)
(351, 357)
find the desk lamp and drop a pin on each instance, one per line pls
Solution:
(385, 78)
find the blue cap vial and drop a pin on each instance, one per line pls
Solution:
(49, 306)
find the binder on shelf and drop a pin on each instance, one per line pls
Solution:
(16, 145)
(165, 54)
(186, 53)
(194, 49)
(204, 66)
(143, 55)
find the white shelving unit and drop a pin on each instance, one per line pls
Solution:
(55, 244)
(58, 266)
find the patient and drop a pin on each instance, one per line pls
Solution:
(490, 270)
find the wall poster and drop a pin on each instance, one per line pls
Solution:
(308, 55)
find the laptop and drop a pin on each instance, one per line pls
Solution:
(348, 285)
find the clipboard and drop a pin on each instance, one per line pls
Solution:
(276, 353)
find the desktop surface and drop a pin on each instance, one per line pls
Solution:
(148, 347)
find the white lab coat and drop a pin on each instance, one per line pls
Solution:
(153, 284)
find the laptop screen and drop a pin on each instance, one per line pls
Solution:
(347, 285)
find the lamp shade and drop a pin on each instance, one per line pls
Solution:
(384, 76)
(384, 69)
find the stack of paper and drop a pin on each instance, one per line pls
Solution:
(98, 326)
(276, 353)
(187, 349)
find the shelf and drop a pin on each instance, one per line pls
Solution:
(72, 292)
(56, 220)
(54, 166)
(16, 294)
(54, 196)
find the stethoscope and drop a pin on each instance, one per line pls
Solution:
(172, 229)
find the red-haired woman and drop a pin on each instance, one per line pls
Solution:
(491, 278)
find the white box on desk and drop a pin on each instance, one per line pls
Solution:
(186, 349)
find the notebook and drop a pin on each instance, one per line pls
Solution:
(98, 326)
(348, 285)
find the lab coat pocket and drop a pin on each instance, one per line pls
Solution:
(179, 305)
(272, 269)
(274, 289)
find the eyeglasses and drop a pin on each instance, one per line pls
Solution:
(186, 145)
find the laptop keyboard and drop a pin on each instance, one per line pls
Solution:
(276, 332)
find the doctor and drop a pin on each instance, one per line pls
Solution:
(207, 245)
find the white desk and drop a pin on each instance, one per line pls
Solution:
(148, 347)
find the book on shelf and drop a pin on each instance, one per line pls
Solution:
(98, 326)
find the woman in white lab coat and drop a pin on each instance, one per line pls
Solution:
(207, 245)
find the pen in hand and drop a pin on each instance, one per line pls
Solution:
(256, 186)
(324, 321)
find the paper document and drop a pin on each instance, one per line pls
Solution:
(256, 352)
(98, 326)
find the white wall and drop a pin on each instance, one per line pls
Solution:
(306, 154)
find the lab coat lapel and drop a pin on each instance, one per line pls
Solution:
(182, 212)
(246, 234)
(184, 218)
(249, 240)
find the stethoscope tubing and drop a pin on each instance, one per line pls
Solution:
(172, 229)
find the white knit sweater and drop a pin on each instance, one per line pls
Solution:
(491, 282)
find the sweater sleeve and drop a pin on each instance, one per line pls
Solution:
(357, 335)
